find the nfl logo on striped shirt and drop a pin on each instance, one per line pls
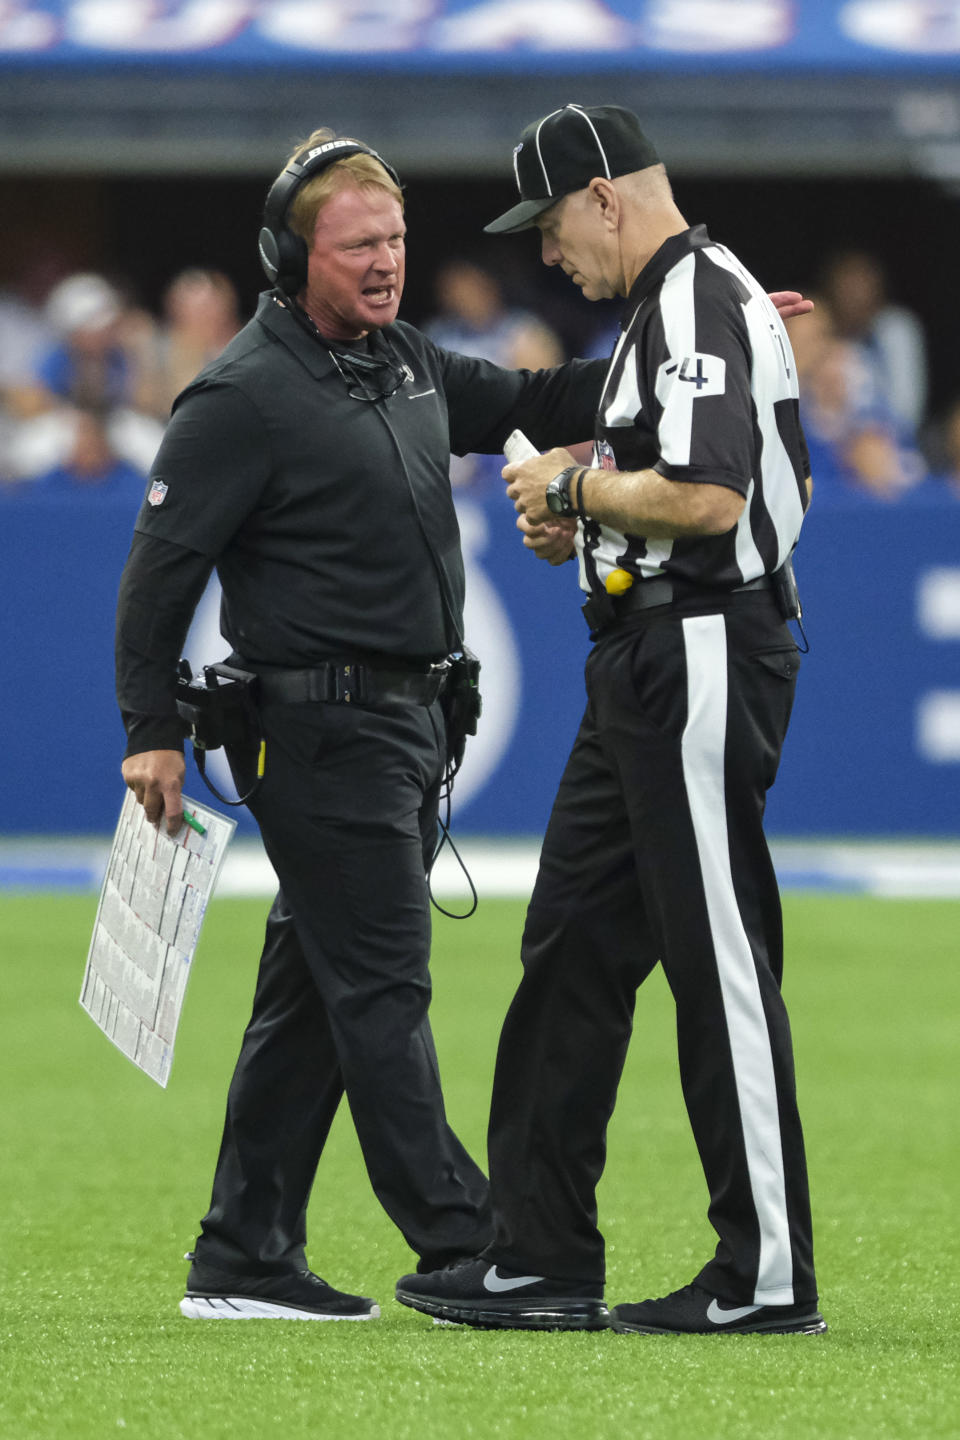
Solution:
(157, 493)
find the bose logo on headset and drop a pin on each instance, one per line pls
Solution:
(283, 254)
(330, 145)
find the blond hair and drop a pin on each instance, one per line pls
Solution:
(362, 171)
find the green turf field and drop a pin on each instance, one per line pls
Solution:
(105, 1176)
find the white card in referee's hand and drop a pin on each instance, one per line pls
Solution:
(517, 447)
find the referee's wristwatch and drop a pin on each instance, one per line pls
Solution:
(559, 500)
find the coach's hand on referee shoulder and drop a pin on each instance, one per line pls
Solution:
(156, 778)
(790, 303)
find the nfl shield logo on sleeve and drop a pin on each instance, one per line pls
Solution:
(157, 492)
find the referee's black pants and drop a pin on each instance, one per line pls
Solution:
(347, 810)
(655, 851)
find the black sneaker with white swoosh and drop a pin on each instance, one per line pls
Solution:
(491, 1297)
(694, 1311)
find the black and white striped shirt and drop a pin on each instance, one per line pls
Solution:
(702, 388)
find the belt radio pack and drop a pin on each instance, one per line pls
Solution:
(787, 597)
(785, 591)
(462, 704)
(219, 708)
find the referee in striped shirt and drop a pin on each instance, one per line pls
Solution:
(683, 527)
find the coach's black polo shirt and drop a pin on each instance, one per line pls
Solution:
(316, 506)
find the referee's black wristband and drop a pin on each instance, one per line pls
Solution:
(577, 487)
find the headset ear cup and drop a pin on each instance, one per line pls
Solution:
(269, 254)
(291, 262)
(283, 256)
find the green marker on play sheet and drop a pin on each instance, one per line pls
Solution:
(194, 823)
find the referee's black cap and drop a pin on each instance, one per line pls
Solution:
(567, 149)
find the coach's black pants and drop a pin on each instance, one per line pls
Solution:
(348, 811)
(655, 851)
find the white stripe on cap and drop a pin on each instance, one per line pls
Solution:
(536, 141)
(603, 154)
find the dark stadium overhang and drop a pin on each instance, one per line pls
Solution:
(157, 121)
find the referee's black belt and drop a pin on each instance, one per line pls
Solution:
(354, 682)
(602, 610)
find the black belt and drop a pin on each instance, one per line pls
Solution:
(602, 610)
(354, 682)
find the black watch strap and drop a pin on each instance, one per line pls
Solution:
(560, 501)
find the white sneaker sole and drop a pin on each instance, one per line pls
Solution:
(242, 1307)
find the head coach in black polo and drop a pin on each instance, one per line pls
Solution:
(684, 525)
(310, 464)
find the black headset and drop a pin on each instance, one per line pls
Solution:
(283, 254)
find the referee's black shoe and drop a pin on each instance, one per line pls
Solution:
(490, 1297)
(694, 1311)
(296, 1295)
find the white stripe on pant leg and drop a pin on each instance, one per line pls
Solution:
(705, 642)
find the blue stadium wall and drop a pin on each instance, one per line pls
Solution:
(874, 748)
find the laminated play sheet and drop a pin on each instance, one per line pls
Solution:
(152, 905)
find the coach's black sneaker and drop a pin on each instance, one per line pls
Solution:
(693, 1311)
(299, 1295)
(492, 1298)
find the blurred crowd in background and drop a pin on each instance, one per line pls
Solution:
(88, 375)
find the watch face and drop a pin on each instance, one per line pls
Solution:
(558, 493)
(556, 502)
